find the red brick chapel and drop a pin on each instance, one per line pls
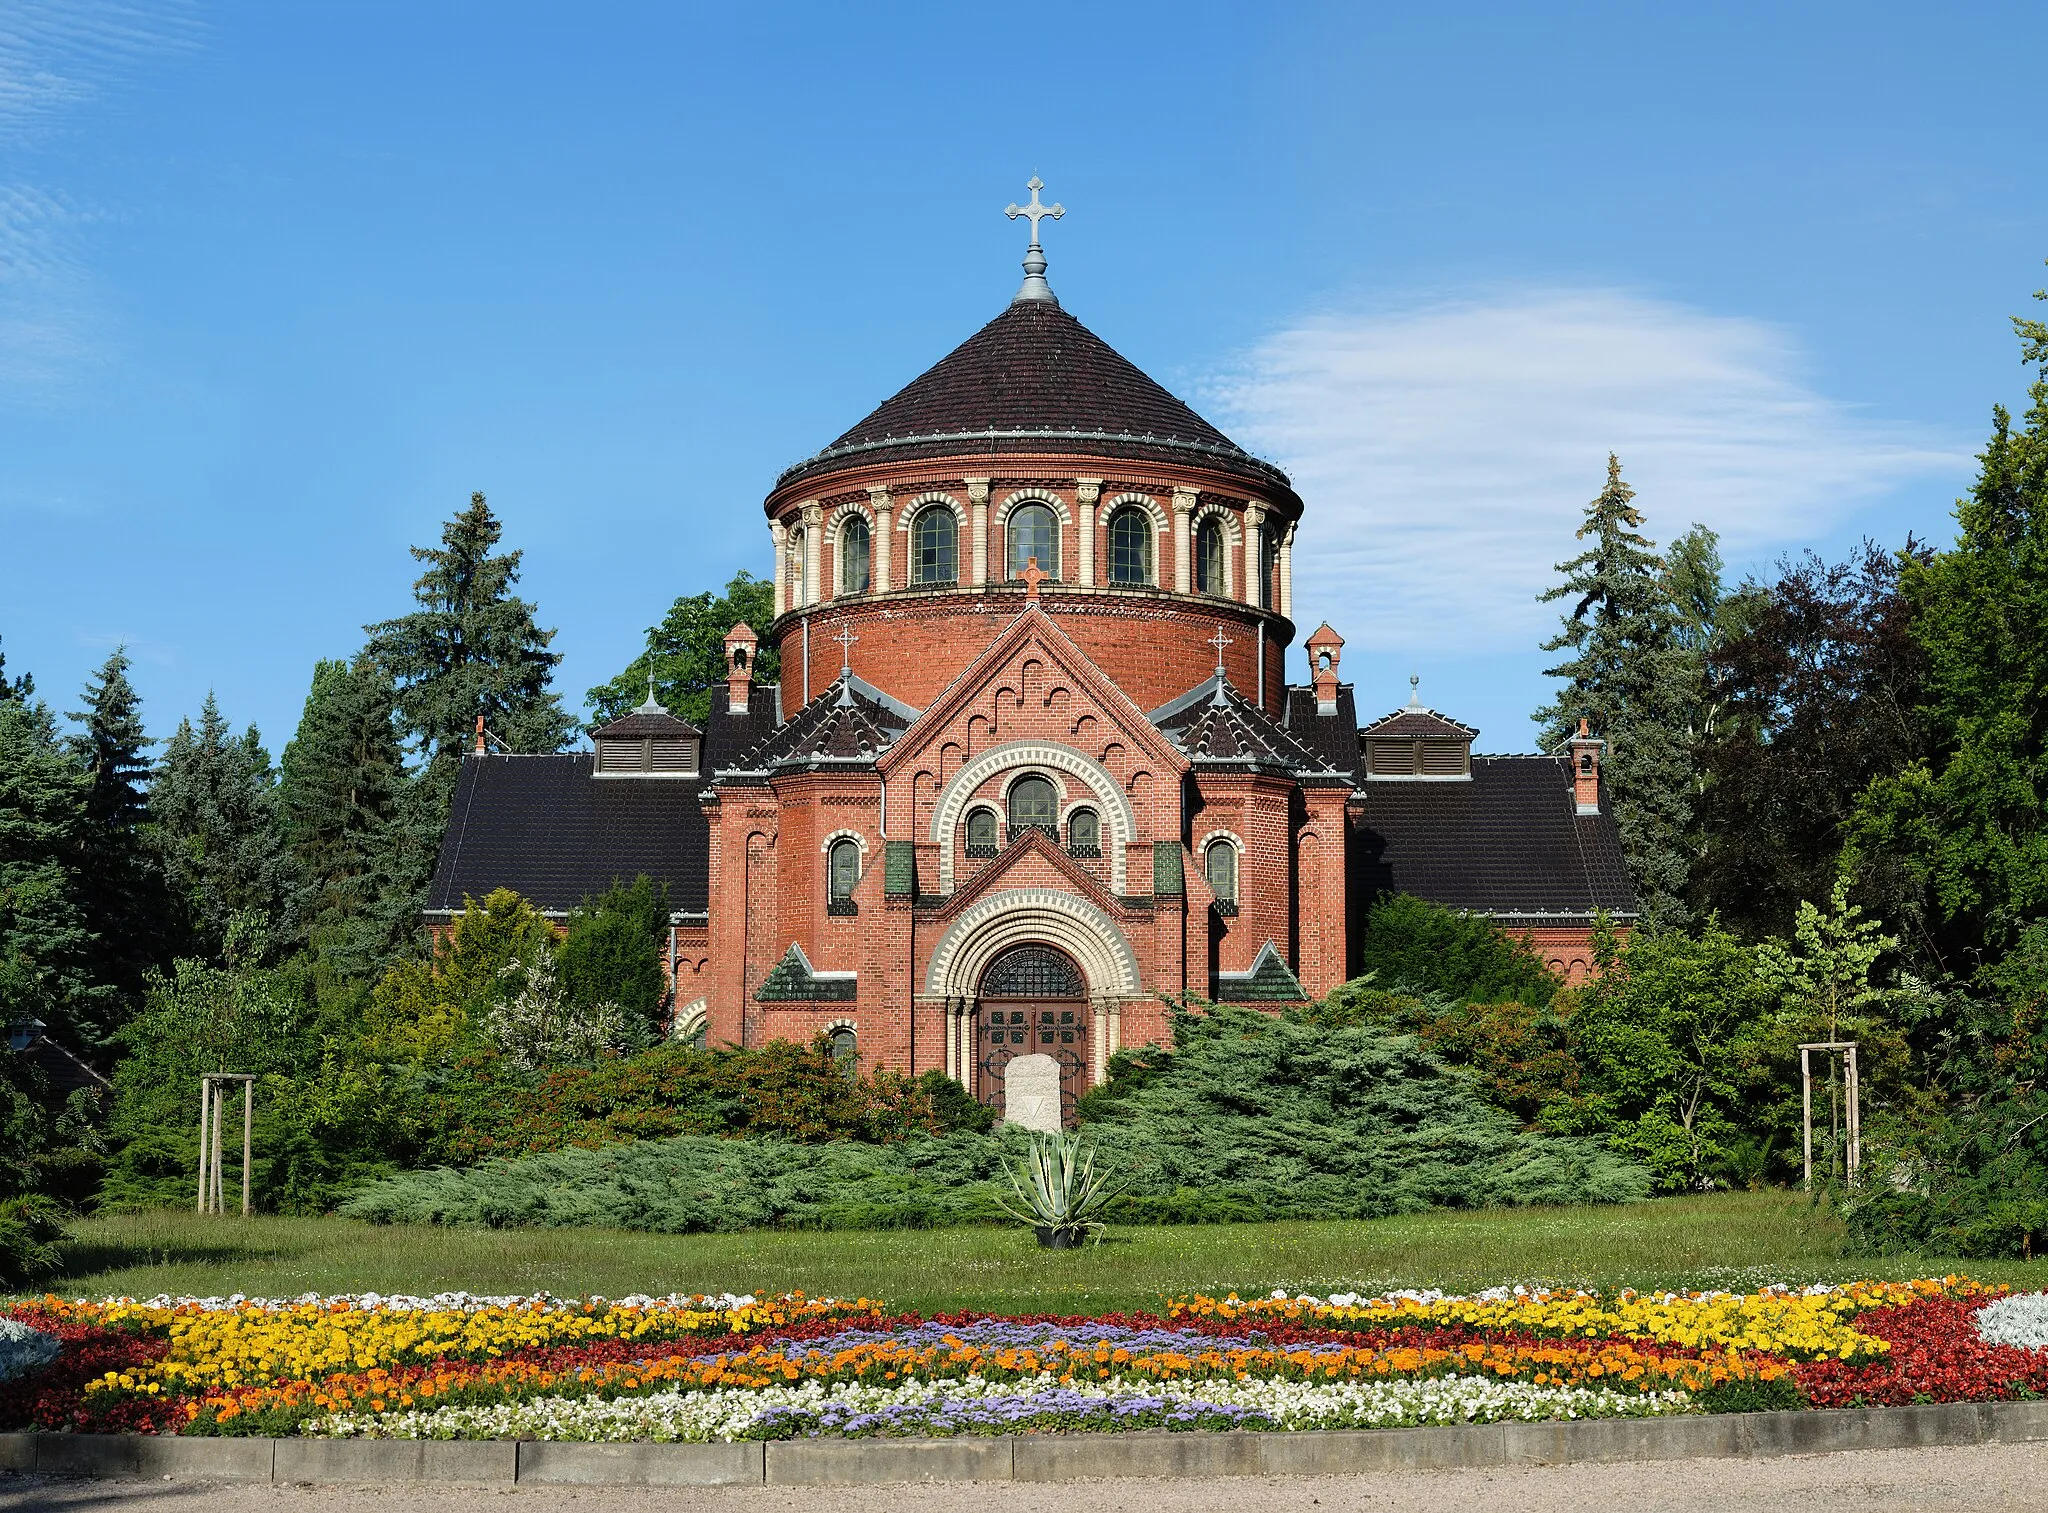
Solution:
(1033, 767)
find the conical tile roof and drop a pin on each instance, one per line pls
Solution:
(1035, 379)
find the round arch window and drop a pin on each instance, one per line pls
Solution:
(1209, 574)
(1130, 546)
(981, 833)
(1034, 532)
(934, 546)
(1219, 862)
(854, 554)
(845, 869)
(845, 1047)
(1034, 805)
(1084, 833)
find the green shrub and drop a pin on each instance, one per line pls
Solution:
(30, 1231)
(613, 954)
(1419, 947)
(780, 1091)
(1247, 1117)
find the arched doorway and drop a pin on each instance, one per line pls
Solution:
(1033, 1000)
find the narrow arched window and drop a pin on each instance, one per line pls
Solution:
(981, 833)
(1034, 805)
(1220, 862)
(1130, 546)
(853, 556)
(799, 557)
(1034, 532)
(1084, 833)
(845, 1047)
(934, 554)
(844, 870)
(1269, 571)
(1209, 577)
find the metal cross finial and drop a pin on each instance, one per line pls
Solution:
(846, 639)
(1035, 286)
(1219, 641)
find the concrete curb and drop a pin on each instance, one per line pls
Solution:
(1027, 1457)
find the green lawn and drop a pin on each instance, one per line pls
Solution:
(1733, 1240)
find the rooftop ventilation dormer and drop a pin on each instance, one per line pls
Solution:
(1416, 744)
(648, 743)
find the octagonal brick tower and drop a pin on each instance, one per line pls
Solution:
(1033, 438)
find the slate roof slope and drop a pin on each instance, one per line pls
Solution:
(1332, 737)
(852, 722)
(728, 737)
(1233, 734)
(1417, 720)
(1035, 375)
(647, 722)
(544, 827)
(1509, 842)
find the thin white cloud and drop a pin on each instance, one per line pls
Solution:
(1445, 452)
(58, 58)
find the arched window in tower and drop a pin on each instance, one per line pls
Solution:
(934, 543)
(1084, 833)
(854, 542)
(1034, 532)
(843, 871)
(1269, 571)
(1219, 862)
(1209, 557)
(1034, 805)
(981, 833)
(798, 559)
(1130, 546)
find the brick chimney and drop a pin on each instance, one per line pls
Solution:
(740, 645)
(1325, 651)
(480, 748)
(1586, 749)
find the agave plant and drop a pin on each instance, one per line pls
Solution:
(1058, 1190)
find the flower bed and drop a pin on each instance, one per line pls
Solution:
(741, 1367)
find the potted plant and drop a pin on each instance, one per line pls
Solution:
(1058, 1191)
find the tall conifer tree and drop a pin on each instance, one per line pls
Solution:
(471, 648)
(214, 808)
(120, 882)
(1973, 819)
(20, 689)
(1628, 671)
(351, 813)
(46, 940)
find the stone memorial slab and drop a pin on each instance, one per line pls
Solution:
(1031, 1094)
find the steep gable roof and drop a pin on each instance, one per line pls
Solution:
(1032, 624)
(851, 723)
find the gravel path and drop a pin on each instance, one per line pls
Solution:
(1982, 1477)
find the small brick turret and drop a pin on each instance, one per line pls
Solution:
(1587, 750)
(1325, 651)
(740, 645)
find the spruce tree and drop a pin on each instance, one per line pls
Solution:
(471, 648)
(46, 941)
(1629, 673)
(20, 690)
(686, 653)
(213, 805)
(120, 883)
(353, 816)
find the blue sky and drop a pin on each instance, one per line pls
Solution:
(280, 285)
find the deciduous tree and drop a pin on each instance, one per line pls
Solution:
(686, 653)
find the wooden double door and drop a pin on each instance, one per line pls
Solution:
(1034, 1001)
